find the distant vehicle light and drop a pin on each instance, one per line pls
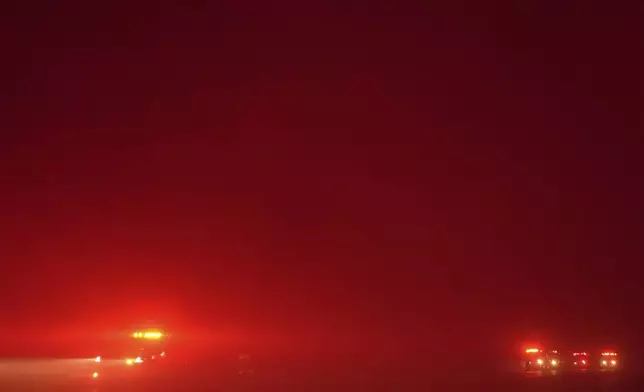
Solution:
(583, 361)
(604, 362)
(147, 335)
(554, 362)
(138, 360)
(162, 353)
(574, 363)
(95, 375)
(129, 361)
(532, 350)
(97, 359)
(540, 361)
(609, 354)
(613, 362)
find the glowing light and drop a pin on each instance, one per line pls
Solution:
(554, 362)
(574, 363)
(147, 335)
(604, 362)
(138, 360)
(532, 350)
(613, 362)
(95, 374)
(583, 361)
(129, 361)
(540, 361)
(97, 359)
(163, 353)
(609, 354)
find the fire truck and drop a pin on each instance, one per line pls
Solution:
(609, 360)
(534, 359)
(539, 359)
(148, 345)
(580, 360)
(139, 348)
(553, 359)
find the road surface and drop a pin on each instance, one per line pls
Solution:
(75, 375)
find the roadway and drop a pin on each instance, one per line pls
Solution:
(75, 375)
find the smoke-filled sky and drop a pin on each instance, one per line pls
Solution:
(413, 172)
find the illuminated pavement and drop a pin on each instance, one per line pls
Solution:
(75, 374)
(18, 375)
(19, 368)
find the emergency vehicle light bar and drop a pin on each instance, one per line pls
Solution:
(147, 335)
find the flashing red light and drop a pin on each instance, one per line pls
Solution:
(609, 354)
(532, 350)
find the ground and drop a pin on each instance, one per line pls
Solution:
(74, 375)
